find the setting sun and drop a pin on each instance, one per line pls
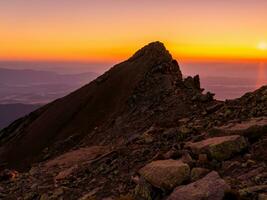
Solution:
(262, 46)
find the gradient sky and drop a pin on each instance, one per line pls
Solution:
(95, 30)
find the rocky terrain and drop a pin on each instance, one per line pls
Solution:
(139, 131)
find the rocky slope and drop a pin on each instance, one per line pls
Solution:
(140, 131)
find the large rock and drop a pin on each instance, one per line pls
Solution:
(252, 129)
(211, 187)
(220, 148)
(166, 174)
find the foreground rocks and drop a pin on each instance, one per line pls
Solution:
(211, 187)
(166, 174)
(220, 148)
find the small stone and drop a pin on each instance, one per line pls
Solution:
(58, 192)
(185, 130)
(34, 170)
(186, 158)
(44, 197)
(65, 173)
(146, 138)
(143, 190)
(197, 173)
(227, 113)
(90, 195)
(229, 165)
(247, 156)
(251, 162)
(34, 186)
(171, 154)
(202, 158)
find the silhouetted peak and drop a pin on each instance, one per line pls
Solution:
(154, 50)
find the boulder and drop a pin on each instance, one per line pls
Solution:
(211, 187)
(220, 148)
(252, 129)
(166, 174)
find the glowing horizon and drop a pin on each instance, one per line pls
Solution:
(110, 31)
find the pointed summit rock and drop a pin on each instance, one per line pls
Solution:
(154, 50)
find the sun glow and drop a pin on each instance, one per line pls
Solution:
(262, 46)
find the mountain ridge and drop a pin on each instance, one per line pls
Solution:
(127, 74)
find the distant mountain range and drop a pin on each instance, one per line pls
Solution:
(31, 77)
(22, 91)
(38, 87)
(228, 87)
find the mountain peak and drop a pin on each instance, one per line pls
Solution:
(137, 85)
(155, 50)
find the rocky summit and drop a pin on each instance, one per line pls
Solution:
(140, 131)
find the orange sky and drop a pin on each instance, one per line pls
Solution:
(98, 30)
